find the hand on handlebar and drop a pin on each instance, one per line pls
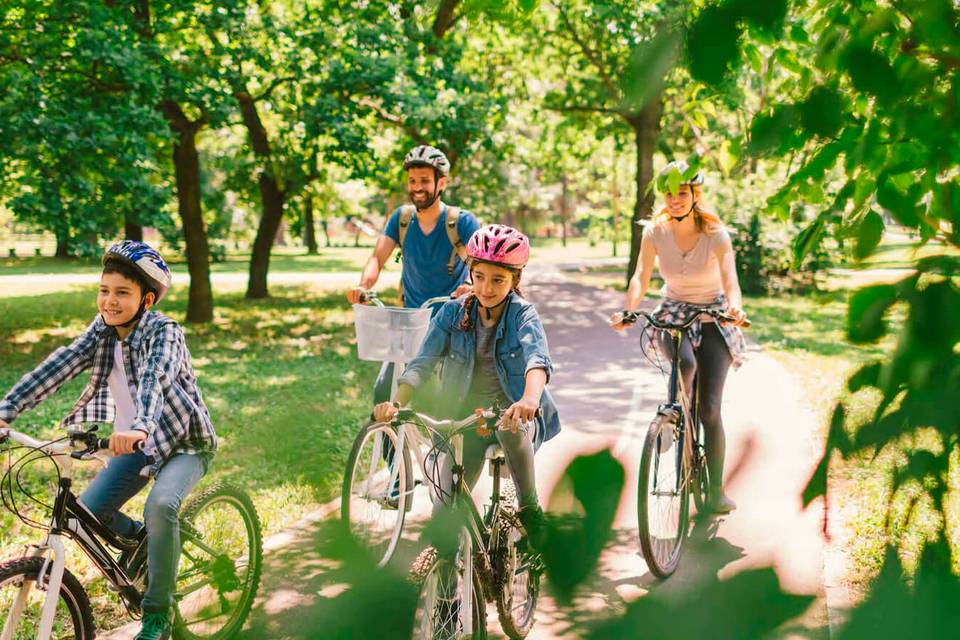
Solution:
(356, 295)
(621, 320)
(126, 442)
(385, 412)
(519, 413)
(740, 318)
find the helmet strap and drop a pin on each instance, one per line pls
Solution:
(139, 314)
(693, 206)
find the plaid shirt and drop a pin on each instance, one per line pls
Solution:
(169, 407)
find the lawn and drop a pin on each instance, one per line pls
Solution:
(280, 377)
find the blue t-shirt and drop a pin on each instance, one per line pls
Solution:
(425, 257)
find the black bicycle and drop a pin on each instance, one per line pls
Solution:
(220, 564)
(673, 463)
(490, 559)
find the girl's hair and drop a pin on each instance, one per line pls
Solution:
(466, 323)
(705, 220)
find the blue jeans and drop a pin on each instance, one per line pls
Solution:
(119, 482)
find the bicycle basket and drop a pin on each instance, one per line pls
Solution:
(389, 334)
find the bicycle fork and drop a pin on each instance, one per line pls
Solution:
(49, 579)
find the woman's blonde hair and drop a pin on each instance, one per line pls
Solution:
(705, 219)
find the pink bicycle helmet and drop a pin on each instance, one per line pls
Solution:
(499, 244)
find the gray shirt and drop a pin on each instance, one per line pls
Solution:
(485, 387)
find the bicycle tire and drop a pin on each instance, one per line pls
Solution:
(662, 554)
(355, 510)
(72, 595)
(192, 519)
(428, 564)
(512, 555)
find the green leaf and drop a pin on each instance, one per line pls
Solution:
(869, 233)
(754, 57)
(769, 130)
(871, 72)
(767, 16)
(866, 376)
(807, 240)
(788, 60)
(865, 315)
(816, 486)
(900, 205)
(674, 178)
(821, 114)
(650, 62)
(713, 44)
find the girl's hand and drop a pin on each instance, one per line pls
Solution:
(126, 442)
(385, 412)
(519, 412)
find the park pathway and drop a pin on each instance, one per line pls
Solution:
(606, 394)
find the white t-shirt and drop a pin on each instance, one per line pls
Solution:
(122, 393)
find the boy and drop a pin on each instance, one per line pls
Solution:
(142, 380)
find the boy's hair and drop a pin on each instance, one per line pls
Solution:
(112, 265)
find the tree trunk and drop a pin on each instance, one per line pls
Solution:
(186, 163)
(271, 198)
(309, 230)
(325, 225)
(564, 209)
(64, 248)
(614, 201)
(132, 230)
(646, 128)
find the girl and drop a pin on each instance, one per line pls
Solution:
(699, 270)
(491, 349)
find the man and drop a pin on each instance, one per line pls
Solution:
(432, 237)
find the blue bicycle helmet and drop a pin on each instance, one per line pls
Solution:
(146, 261)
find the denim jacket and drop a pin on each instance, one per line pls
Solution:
(520, 345)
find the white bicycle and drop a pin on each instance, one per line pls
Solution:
(379, 483)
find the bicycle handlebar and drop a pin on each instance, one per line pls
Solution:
(63, 446)
(631, 317)
(370, 297)
(454, 426)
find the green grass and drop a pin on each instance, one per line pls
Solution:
(280, 377)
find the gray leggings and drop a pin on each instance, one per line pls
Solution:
(518, 449)
(713, 360)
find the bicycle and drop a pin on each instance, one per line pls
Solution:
(221, 554)
(492, 560)
(378, 484)
(673, 461)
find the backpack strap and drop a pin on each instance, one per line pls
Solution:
(406, 215)
(453, 217)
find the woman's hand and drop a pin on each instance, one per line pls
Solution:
(123, 443)
(738, 315)
(617, 323)
(385, 412)
(519, 412)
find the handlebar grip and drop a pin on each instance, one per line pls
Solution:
(103, 443)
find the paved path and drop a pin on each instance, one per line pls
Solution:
(606, 395)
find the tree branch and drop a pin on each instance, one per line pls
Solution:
(589, 54)
(911, 48)
(445, 18)
(392, 119)
(585, 108)
(273, 85)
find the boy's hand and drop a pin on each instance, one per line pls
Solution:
(123, 443)
(385, 412)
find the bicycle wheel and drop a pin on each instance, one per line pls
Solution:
(377, 490)
(220, 563)
(517, 579)
(447, 584)
(73, 618)
(663, 497)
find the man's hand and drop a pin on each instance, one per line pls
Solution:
(385, 412)
(126, 442)
(462, 289)
(355, 294)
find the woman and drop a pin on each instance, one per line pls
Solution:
(698, 267)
